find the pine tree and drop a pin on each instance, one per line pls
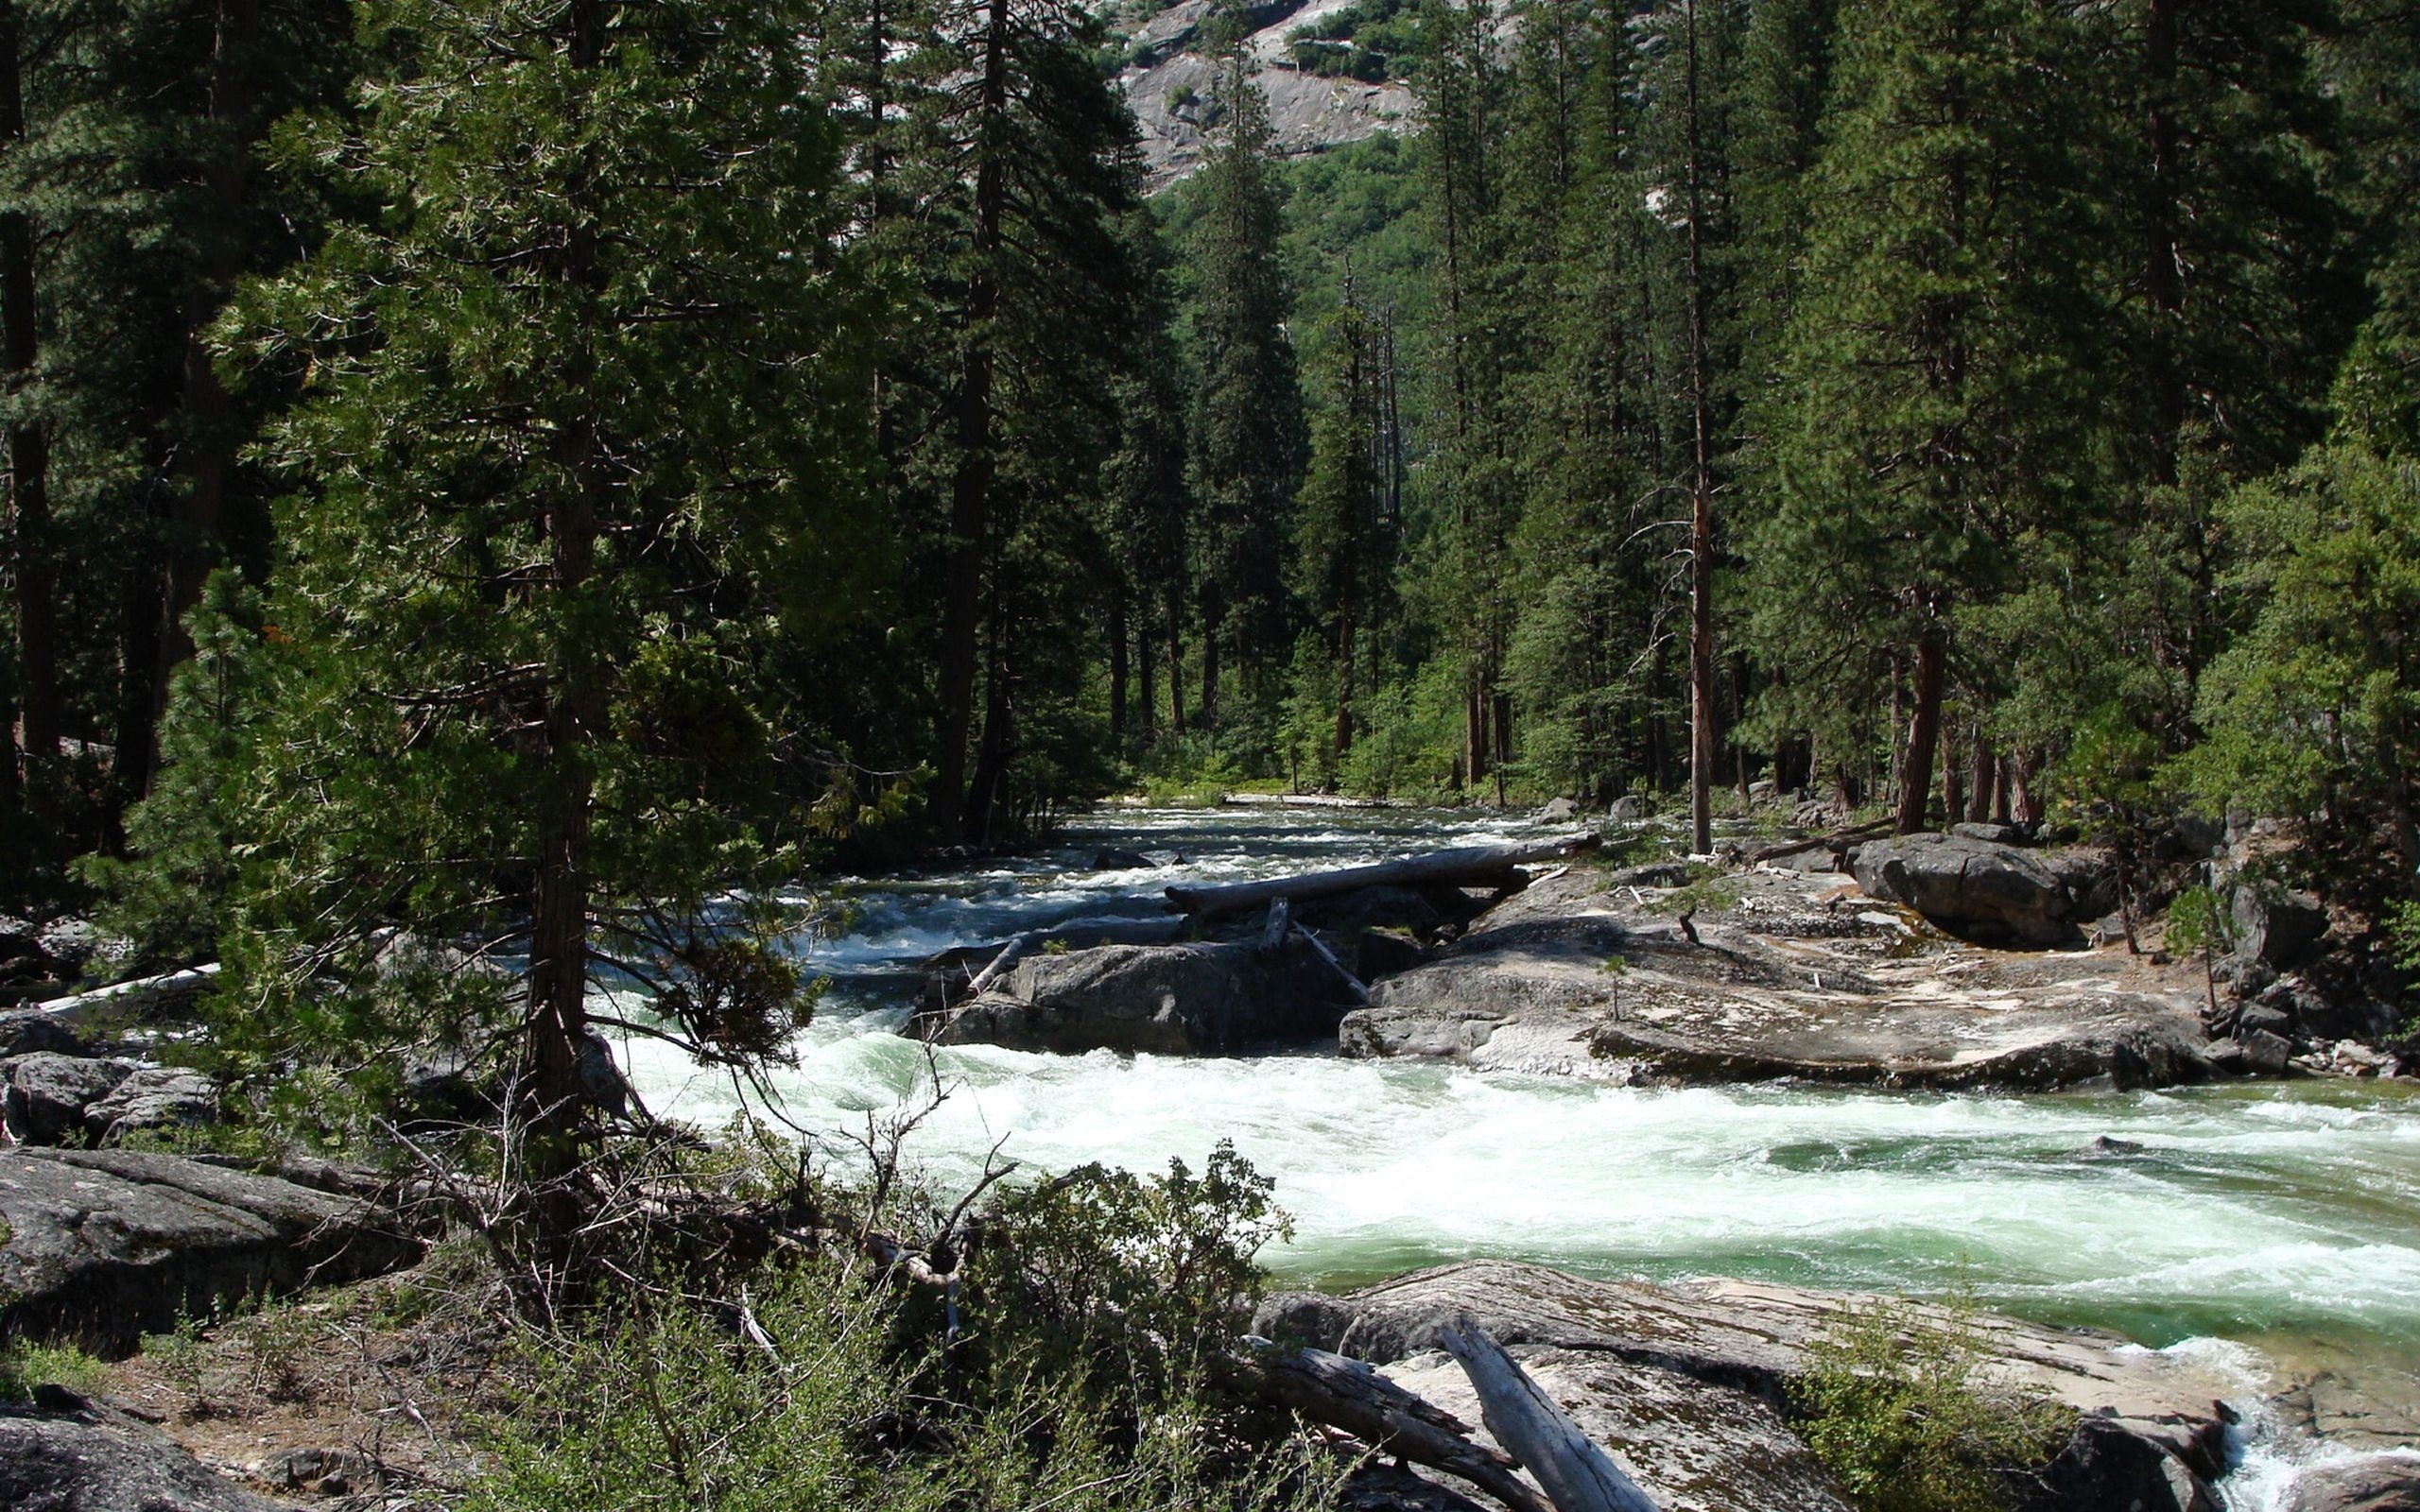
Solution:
(1343, 547)
(1461, 86)
(1935, 350)
(1248, 431)
(1010, 191)
(580, 410)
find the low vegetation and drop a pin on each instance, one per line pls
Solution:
(1892, 1403)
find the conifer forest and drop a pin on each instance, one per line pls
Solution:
(534, 528)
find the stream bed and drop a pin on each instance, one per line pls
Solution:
(2280, 1215)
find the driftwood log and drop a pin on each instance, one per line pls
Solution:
(143, 997)
(1577, 1474)
(1487, 866)
(1306, 801)
(1835, 841)
(1348, 1395)
(998, 967)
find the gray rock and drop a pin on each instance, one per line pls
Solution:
(2266, 1053)
(1680, 1383)
(1575, 977)
(1558, 811)
(33, 1031)
(1995, 834)
(155, 1097)
(1630, 808)
(1114, 859)
(1419, 909)
(1993, 893)
(1174, 999)
(88, 1459)
(2090, 876)
(2120, 1468)
(2267, 1020)
(48, 1094)
(326, 1472)
(2275, 926)
(79, 944)
(2372, 1482)
(106, 1245)
(1378, 954)
(1816, 860)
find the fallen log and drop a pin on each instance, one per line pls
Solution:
(145, 996)
(1281, 922)
(1306, 801)
(1483, 866)
(1578, 1475)
(998, 967)
(1835, 840)
(1360, 990)
(1348, 1395)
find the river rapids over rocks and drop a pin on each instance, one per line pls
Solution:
(2269, 1227)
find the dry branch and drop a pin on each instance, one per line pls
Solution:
(1346, 1394)
(1578, 1475)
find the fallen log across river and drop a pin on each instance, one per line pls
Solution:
(1484, 865)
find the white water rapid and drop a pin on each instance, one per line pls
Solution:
(2286, 1215)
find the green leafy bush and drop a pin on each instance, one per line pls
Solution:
(1890, 1403)
(1074, 1369)
(25, 1365)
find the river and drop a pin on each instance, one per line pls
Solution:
(2285, 1217)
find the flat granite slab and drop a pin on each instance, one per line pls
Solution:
(1796, 976)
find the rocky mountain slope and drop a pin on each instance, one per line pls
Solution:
(1168, 79)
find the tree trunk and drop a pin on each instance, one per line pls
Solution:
(1702, 690)
(1475, 743)
(1979, 803)
(1119, 669)
(1211, 626)
(213, 432)
(138, 697)
(970, 503)
(31, 570)
(555, 1105)
(1924, 731)
(992, 756)
(1345, 687)
(1500, 729)
(2164, 262)
(1953, 785)
(1176, 667)
(1577, 1474)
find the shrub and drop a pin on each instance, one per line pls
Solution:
(813, 1389)
(25, 1365)
(1891, 1404)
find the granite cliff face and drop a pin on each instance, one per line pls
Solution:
(1166, 81)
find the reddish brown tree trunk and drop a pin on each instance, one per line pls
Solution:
(1923, 732)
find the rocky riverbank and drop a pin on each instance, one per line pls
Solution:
(1949, 962)
(1693, 1389)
